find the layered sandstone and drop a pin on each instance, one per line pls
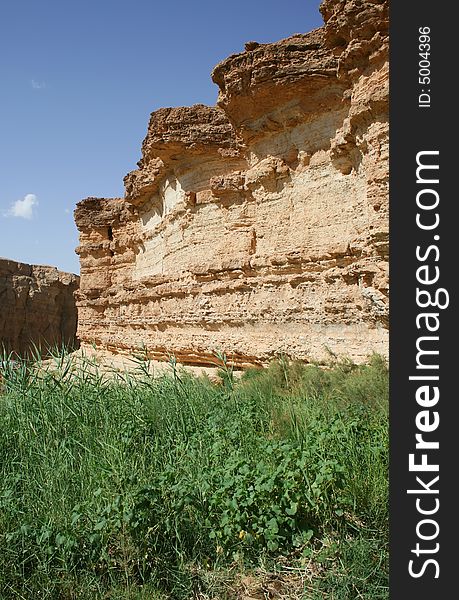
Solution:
(259, 226)
(37, 307)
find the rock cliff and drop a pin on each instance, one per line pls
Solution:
(259, 226)
(37, 306)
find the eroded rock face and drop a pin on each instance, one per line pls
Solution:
(37, 307)
(258, 226)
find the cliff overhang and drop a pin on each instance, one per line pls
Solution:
(258, 226)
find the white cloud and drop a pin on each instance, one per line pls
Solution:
(37, 85)
(24, 209)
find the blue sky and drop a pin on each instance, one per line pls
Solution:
(78, 81)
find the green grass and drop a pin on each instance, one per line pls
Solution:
(133, 487)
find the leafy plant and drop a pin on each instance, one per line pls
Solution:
(112, 484)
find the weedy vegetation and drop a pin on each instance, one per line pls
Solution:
(126, 486)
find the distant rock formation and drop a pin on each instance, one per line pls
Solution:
(37, 306)
(259, 226)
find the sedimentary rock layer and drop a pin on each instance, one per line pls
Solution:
(259, 226)
(37, 307)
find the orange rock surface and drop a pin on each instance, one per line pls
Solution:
(259, 226)
(37, 307)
